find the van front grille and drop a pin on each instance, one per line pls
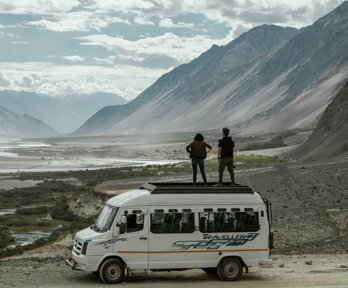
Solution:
(77, 247)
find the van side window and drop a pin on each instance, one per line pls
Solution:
(172, 222)
(228, 221)
(135, 221)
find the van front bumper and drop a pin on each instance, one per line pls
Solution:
(70, 262)
(83, 262)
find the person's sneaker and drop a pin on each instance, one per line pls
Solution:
(219, 185)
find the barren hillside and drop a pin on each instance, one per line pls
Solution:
(330, 138)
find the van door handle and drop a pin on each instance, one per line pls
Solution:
(143, 238)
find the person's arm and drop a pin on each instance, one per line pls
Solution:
(188, 148)
(219, 150)
(233, 150)
(209, 147)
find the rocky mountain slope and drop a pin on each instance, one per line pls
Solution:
(15, 125)
(269, 79)
(183, 83)
(64, 114)
(330, 137)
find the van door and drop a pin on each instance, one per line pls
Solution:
(133, 243)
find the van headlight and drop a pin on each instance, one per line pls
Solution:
(84, 247)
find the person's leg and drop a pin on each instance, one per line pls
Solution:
(222, 165)
(194, 170)
(230, 169)
(201, 167)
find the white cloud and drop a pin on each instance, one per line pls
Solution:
(114, 60)
(62, 80)
(20, 42)
(74, 15)
(181, 49)
(296, 13)
(4, 82)
(131, 58)
(109, 60)
(168, 23)
(143, 21)
(74, 58)
(37, 6)
(77, 21)
(4, 34)
(129, 6)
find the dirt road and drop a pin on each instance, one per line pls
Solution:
(287, 271)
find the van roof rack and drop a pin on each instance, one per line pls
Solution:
(199, 188)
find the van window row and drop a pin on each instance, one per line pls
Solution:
(184, 222)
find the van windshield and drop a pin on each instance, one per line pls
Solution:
(105, 219)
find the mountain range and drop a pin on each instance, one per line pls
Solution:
(15, 125)
(64, 114)
(269, 79)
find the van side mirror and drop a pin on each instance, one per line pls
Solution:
(116, 232)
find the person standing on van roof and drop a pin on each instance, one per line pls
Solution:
(225, 155)
(198, 153)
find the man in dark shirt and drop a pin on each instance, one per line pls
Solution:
(225, 155)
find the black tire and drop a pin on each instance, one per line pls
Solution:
(230, 269)
(96, 274)
(111, 271)
(210, 270)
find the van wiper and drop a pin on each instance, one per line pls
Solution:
(95, 228)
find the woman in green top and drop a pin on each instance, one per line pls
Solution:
(198, 153)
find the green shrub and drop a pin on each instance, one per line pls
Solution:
(61, 210)
(13, 220)
(82, 222)
(32, 211)
(5, 237)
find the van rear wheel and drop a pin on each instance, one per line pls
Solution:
(230, 269)
(210, 270)
(112, 271)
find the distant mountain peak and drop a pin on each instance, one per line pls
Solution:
(65, 114)
(15, 125)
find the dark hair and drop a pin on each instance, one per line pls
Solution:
(226, 131)
(199, 137)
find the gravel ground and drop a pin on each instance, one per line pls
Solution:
(287, 271)
(310, 208)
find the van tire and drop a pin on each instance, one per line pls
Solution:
(112, 271)
(210, 270)
(230, 269)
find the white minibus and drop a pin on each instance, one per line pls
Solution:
(176, 226)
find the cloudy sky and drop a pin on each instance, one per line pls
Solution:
(68, 47)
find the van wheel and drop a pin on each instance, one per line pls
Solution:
(210, 270)
(230, 269)
(111, 271)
